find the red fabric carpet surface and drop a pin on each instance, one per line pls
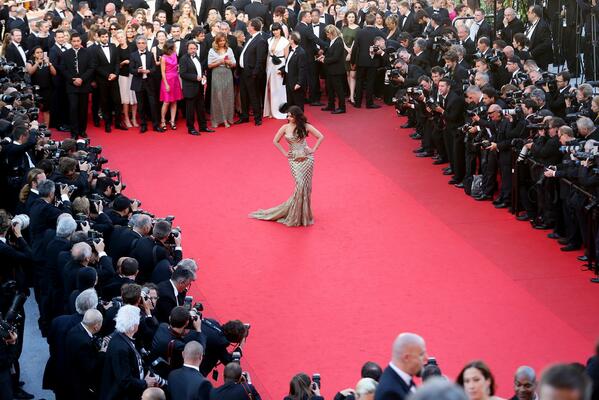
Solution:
(394, 248)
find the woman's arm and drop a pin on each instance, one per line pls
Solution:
(31, 68)
(316, 133)
(163, 73)
(213, 59)
(52, 69)
(277, 139)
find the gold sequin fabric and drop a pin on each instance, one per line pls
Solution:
(296, 211)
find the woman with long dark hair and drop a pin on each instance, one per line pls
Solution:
(41, 71)
(478, 381)
(302, 388)
(296, 211)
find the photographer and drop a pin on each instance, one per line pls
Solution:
(19, 159)
(67, 175)
(92, 217)
(29, 192)
(582, 105)
(237, 385)
(127, 268)
(14, 250)
(219, 339)
(557, 99)
(186, 383)
(457, 73)
(184, 326)
(124, 238)
(121, 209)
(301, 387)
(171, 293)
(8, 355)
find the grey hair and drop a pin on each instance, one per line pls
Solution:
(127, 319)
(140, 38)
(140, 221)
(584, 122)
(183, 275)
(366, 386)
(81, 251)
(526, 371)
(421, 43)
(483, 75)
(65, 227)
(87, 300)
(46, 188)
(92, 317)
(188, 263)
(586, 90)
(439, 389)
(538, 94)
(474, 90)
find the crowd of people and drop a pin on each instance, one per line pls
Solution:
(110, 279)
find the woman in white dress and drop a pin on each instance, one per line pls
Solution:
(276, 95)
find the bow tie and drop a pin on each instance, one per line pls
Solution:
(177, 40)
(316, 25)
(142, 53)
(105, 45)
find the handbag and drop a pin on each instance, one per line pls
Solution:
(275, 59)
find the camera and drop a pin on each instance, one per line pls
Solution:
(6, 329)
(480, 111)
(236, 357)
(316, 379)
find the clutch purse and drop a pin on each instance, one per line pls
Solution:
(275, 60)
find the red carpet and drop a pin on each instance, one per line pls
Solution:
(394, 248)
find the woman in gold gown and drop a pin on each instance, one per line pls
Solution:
(296, 211)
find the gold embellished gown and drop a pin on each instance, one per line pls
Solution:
(296, 211)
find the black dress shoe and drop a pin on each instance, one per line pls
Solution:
(316, 104)
(502, 205)
(159, 129)
(541, 226)
(107, 129)
(459, 185)
(121, 127)
(562, 241)
(570, 247)
(339, 111)
(373, 106)
(553, 235)
(327, 108)
(424, 154)
(258, 123)
(582, 258)
(19, 393)
(193, 132)
(595, 279)
(440, 161)
(448, 171)
(241, 121)
(453, 181)
(418, 150)
(484, 197)
(207, 130)
(406, 126)
(523, 217)
(417, 136)
(143, 128)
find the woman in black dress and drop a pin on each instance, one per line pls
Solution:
(41, 71)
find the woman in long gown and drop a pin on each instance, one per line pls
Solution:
(278, 48)
(222, 93)
(296, 211)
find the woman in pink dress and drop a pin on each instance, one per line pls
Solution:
(170, 87)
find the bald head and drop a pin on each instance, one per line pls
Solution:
(525, 383)
(192, 353)
(409, 353)
(92, 319)
(526, 372)
(153, 394)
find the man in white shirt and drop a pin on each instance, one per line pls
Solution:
(15, 51)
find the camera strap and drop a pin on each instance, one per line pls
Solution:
(248, 390)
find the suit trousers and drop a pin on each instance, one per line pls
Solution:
(448, 141)
(365, 77)
(194, 108)
(313, 70)
(295, 97)
(425, 128)
(505, 171)
(58, 112)
(249, 92)
(438, 140)
(459, 155)
(488, 164)
(147, 105)
(78, 112)
(110, 99)
(335, 89)
(96, 102)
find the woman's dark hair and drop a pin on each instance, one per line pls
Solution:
(32, 52)
(234, 331)
(521, 39)
(299, 387)
(345, 23)
(169, 47)
(277, 27)
(484, 370)
(300, 121)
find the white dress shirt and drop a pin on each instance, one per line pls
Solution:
(106, 51)
(175, 291)
(245, 47)
(21, 51)
(143, 62)
(197, 64)
(291, 53)
(407, 378)
(531, 30)
(192, 366)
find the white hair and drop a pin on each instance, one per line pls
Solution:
(81, 251)
(65, 226)
(188, 263)
(92, 317)
(127, 319)
(439, 389)
(87, 300)
(366, 386)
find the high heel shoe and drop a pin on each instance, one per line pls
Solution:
(134, 123)
(173, 126)
(163, 125)
(128, 123)
(227, 125)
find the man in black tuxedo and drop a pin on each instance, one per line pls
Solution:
(480, 27)
(77, 66)
(326, 19)
(407, 22)
(107, 73)
(295, 73)
(15, 254)
(236, 385)
(15, 52)
(310, 43)
(408, 357)
(539, 35)
(436, 9)
(366, 64)
(258, 10)
(451, 109)
(421, 55)
(334, 63)
(314, 78)
(180, 42)
(187, 383)
(126, 270)
(511, 25)
(252, 64)
(142, 66)
(84, 357)
(58, 112)
(171, 293)
(465, 41)
(234, 23)
(193, 80)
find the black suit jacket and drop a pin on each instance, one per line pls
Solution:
(43, 217)
(134, 64)
(120, 375)
(121, 242)
(410, 25)
(86, 66)
(254, 56)
(166, 301)
(541, 48)
(334, 58)
(57, 362)
(189, 77)
(12, 54)
(149, 252)
(297, 69)
(259, 10)
(513, 27)
(235, 391)
(83, 363)
(454, 110)
(103, 66)
(423, 60)
(484, 30)
(441, 12)
(309, 40)
(188, 384)
(361, 49)
(391, 386)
